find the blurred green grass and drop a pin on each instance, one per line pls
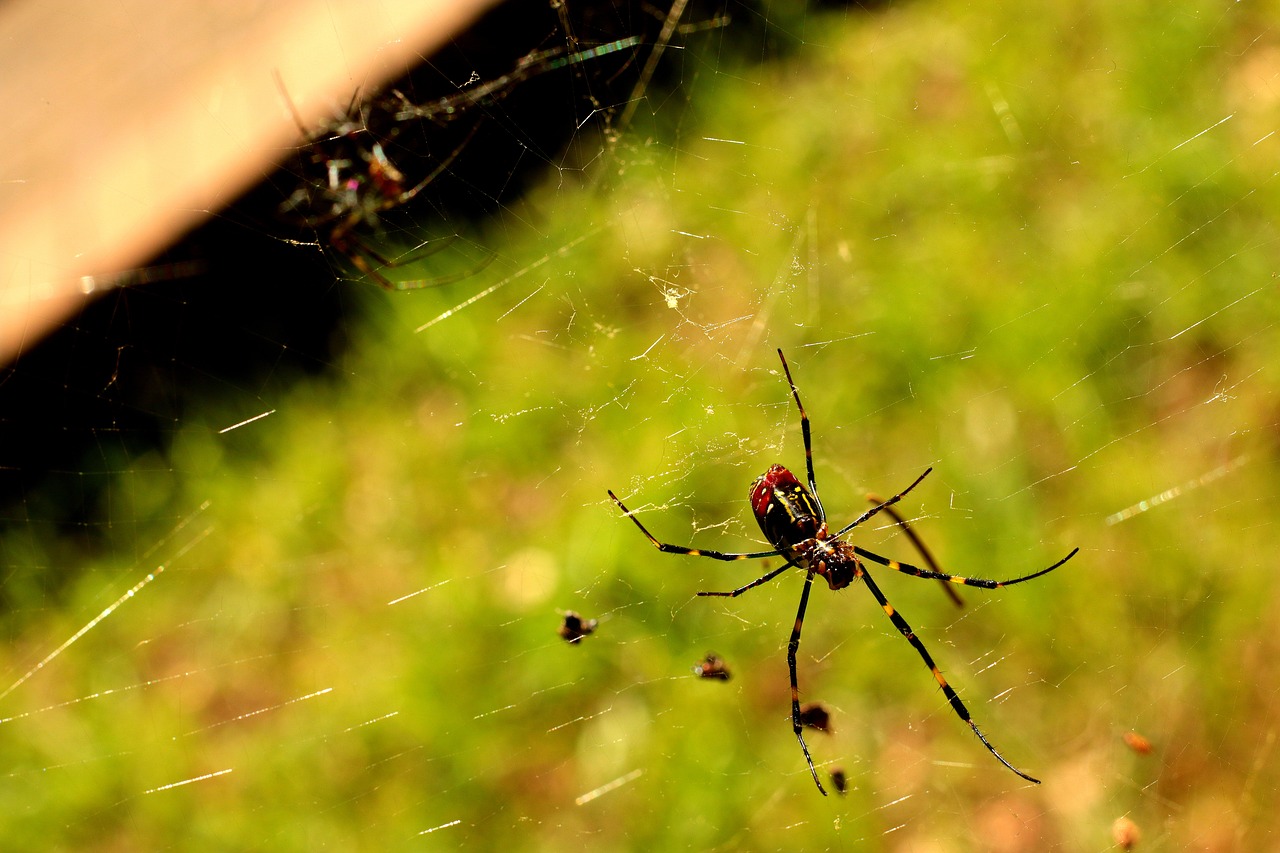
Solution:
(1032, 248)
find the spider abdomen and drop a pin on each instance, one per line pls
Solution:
(786, 510)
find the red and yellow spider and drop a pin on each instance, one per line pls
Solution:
(793, 520)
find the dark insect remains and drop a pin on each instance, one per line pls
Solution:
(792, 518)
(814, 715)
(573, 628)
(712, 667)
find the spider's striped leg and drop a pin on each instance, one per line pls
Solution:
(920, 546)
(793, 646)
(755, 583)
(684, 549)
(982, 583)
(875, 509)
(961, 711)
(804, 430)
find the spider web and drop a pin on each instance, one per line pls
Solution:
(293, 586)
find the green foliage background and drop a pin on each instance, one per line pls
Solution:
(1031, 246)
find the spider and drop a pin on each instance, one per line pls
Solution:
(359, 187)
(360, 184)
(793, 520)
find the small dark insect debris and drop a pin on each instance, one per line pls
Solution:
(574, 627)
(1137, 743)
(712, 667)
(816, 716)
(839, 781)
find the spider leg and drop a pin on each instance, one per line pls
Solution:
(755, 583)
(359, 248)
(440, 169)
(982, 583)
(920, 546)
(355, 250)
(426, 249)
(793, 646)
(438, 281)
(875, 509)
(695, 552)
(808, 444)
(959, 707)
